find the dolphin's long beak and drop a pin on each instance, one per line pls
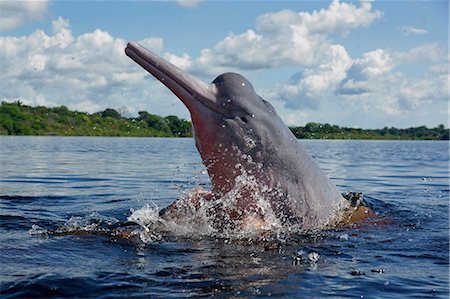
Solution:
(187, 88)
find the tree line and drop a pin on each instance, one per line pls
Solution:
(19, 119)
(327, 131)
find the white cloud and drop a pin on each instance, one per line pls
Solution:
(87, 106)
(16, 13)
(189, 3)
(287, 38)
(60, 24)
(184, 62)
(275, 23)
(371, 64)
(375, 81)
(337, 18)
(156, 44)
(129, 77)
(408, 30)
(37, 63)
(372, 82)
(307, 89)
(340, 17)
(423, 54)
(89, 72)
(375, 63)
(416, 92)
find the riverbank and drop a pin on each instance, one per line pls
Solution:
(19, 119)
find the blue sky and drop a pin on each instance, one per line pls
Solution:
(360, 64)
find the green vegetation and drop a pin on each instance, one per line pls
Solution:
(326, 131)
(18, 119)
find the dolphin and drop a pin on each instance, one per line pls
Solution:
(241, 138)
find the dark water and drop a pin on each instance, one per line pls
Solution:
(50, 182)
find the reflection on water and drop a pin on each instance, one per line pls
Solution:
(46, 181)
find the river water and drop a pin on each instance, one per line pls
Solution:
(49, 183)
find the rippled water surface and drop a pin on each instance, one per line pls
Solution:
(49, 182)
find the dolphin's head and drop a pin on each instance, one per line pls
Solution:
(232, 124)
(236, 97)
(242, 114)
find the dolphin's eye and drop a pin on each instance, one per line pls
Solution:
(244, 119)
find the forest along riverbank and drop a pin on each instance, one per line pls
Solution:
(19, 119)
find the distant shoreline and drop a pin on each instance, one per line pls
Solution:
(165, 137)
(17, 119)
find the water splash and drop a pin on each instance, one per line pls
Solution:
(92, 224)
(148, 219)
(245, 212)
(37, 230)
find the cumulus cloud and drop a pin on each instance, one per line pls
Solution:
(287, 37)
(340, 17)
(365, 70)
(374, 63)
(326, 72)
(87, 72)
(376, 82)
(16, 13)
(308, 88)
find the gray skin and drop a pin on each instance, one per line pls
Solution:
(237, 131)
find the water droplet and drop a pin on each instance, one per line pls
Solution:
(343, 237)
(313, 256)
(229, 101)
(37, 230)
(243, 84)
(253, 115)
